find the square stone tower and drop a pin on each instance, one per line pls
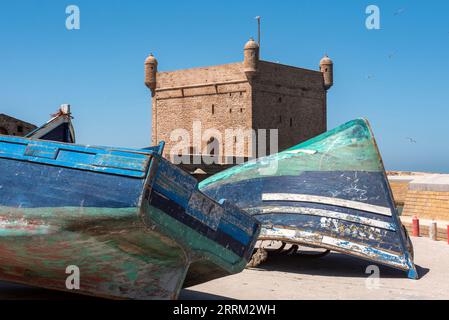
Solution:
(208, 103)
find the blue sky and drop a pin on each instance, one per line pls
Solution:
(397, 77)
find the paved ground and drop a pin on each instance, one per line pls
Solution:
(333, 277)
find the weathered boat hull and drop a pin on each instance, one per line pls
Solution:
(329, 192)
(99, 209)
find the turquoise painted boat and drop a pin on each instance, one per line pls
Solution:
(112, 222)
(329, 192)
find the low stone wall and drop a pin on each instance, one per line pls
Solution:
(427, 204)
(424, 227)
(422, 195)
(399, 189)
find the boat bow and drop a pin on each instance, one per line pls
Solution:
(330, 192)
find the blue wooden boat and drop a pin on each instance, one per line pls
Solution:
(133, 224)
(58, 128)
(329, 192)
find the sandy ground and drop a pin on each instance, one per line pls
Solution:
(335, 276)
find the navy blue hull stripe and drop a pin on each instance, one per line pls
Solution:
(367, 189)
(60, 133)
(381, 239)
(177, 212)
(370, 189)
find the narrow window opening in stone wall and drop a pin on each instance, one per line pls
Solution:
(280, 99)
(280, 119)
(291, 122)
(230, 94)
(20, 129)
(213, 109)
(235, 139)
(230, 110)
(241, 110)
(241, 93)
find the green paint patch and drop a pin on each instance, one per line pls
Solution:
(68, 212)
(118, 256)
(131, 271)
(349, 146)
(198, 246)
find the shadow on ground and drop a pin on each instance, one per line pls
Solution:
(11, 291)
(332, 265)
(188, 294)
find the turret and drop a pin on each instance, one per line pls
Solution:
(150, 73)
(327, 68)
(251, 58)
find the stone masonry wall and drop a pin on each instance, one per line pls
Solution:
(424, 195)
(399, 190)
(427, 204)
(290, 99)
(218, 97)
(14, 127)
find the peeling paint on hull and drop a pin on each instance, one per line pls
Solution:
(109, 212)
(330, 192)
(117, 256)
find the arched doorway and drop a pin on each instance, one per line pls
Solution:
(3, 131)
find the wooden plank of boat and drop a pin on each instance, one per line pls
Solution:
(329, 192)
(133, 224)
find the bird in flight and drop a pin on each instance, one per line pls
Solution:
(411, 139)
(399, 11)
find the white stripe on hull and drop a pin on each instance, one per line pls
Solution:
(327, 214)
(391, 258)
(335, 244)
(327, 200)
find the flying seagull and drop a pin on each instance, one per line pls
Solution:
(411, 139)
(391, 55)
(399, 11)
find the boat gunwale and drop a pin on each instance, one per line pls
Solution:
(140, 156)
(334, 248)
(146, 194)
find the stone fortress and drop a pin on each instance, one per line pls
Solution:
(253, 94)
(257, 94)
